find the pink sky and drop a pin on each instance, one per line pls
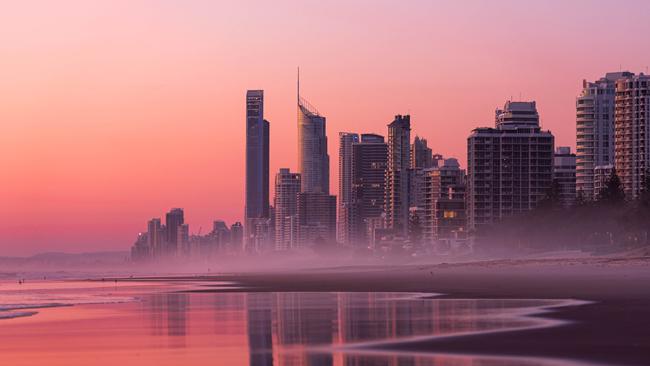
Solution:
(113, 112)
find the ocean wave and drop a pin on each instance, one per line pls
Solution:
(10, 311)
(10, 307)
(17, 314)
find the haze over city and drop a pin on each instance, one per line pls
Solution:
(115, 112)
(325, 183)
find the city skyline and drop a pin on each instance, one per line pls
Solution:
(79, 161)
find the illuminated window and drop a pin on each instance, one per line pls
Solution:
(449, 214)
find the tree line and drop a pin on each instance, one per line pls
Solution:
(610, 223)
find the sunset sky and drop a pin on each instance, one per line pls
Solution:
(112, 112)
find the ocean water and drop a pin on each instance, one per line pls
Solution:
(158, 323)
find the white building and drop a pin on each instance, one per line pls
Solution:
(595, 129)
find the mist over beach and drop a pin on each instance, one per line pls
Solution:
(333, 183)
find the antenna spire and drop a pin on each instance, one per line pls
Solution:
(298, 85)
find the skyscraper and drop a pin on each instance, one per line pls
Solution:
(257, 164)
(313, 160)
(346, 140)
(421, 154)
(421, 159)
(155, 237)
(595, 129)
(397, 175)
(287, 187)
(316, 208)
(237, 235)
(510, 167)
(141, 251)
(369, 159)
(183, 240)
(316, 219)
(444, 219)
(173, 220)
(564, 175)
(632, 133)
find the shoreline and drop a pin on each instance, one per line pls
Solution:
(614, 328)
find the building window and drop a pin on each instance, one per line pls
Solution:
(449, 214)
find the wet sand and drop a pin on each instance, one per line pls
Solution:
(615, 329)
(157, 323)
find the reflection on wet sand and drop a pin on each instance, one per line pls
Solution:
(316, 329)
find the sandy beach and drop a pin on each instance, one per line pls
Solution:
(614, 329)
(591, 310)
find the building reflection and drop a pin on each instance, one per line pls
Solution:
(259, 327)
(303, 320)
(168, 316)
(297, 329)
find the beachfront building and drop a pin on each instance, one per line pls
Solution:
(632, 132)
(256, 209)
(174, 219)
(369, 157)
(564, 175)
(509, 167)
(421, 158)
(287, 187)
(444, 223)
(421, 154)
(344, 227)
(313, 160)
(595, 129)
(316, 217)
(236, 235)
(397, 176)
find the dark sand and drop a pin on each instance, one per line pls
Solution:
(615, 329)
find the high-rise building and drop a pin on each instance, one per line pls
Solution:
(564, 175)
(346, 140)
(257, 163)
(316, 219)
(510, 167)
(183, 240)
(141, 251)
(397, 175)
(237, 235)
(421, 154)
(260, 237)
(313, 160)
(287, 187)
(173, 221)
(437, 161)
(421, 159)
(221, 235)
(369, 158)
(595, 129)
(632, 133)
(444, 220)
(156, 237)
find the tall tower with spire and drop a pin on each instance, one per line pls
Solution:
(313, 160)
(316, 207)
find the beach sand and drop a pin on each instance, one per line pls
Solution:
(614, 329)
